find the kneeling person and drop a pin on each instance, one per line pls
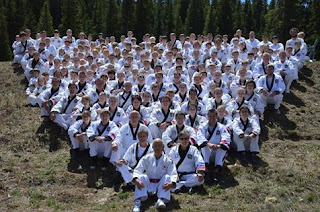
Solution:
(154, 174)
(189, 162)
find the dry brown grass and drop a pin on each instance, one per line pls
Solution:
(288, 178)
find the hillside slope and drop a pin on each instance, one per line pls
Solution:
(288, 178)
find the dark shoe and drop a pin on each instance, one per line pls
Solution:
(93, 162)
(254, 159)
(217, 169)
(243, 157)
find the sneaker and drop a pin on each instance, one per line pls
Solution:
(137, 204)
(160, 204)
(277, 111)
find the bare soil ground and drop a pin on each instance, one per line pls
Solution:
(287, 178)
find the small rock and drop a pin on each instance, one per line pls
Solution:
(270, 200)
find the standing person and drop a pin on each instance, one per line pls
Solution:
(189, 163)
(154, 174)
(21, 49)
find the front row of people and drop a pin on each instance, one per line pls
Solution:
(178, 161)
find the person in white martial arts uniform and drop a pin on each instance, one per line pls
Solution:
(101, 134)
(286, 69)
(271, 87)
(78, 135)
(155, 174)
(170, 136)
(21, 49)
(133, 155)
(127, 135)
(125, 96)
(189, 163)
(161, 118)
(214, 141)
(62, 111)
(246, 135)
(117, 114)
(33, 92)
(254, 99)
(193, 119)
(50, 97)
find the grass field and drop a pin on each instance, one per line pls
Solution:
(287, 179)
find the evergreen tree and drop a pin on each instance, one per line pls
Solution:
(224, 17)
(55, 9)
(45, 20)
(196, 16)
(159, 25)
(127, 15)
(99, 15)
(168, 17)
(238, 16)
(30, 20)
(248, 20)
(5, 50)
(179, 22)
(15, 17)
(71, 16)
(113, 18)
(211, 19)
(144, 17)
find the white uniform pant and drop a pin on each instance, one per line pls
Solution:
(117, 155)
(63, 120)
(27, 73)
(43, 111)
(17, 58)
(32, 99)
(156, 132)
(246, 145)
(126, 173)
(218, 155)
(77, 144)
(188, 180)
(100, 149)
(153, 188)
(288, 79)
(276, 100)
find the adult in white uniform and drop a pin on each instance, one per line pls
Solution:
(154, 174)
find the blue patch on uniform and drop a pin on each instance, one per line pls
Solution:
(158, 113)
(94, 94)
(189, 156)
(196, 122)
(65, 100)
(163, 89)
(171, 114)
(286, 66)
(218, 132)
(279, 65)
(199, 108)
(153, 78)
(230, 78)
(254, 99)
(298, 55)
(276, 80)
(76, 100)
(118, 114)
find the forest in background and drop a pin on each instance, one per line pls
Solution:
(158, 17)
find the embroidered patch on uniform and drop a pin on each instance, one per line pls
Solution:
(58, 41)
(189, 156)
(174, 133)
(286, 66)
(164, 167)
(254, 99)
(218, 132)
(249, 125)
(196, 122)
(276, 81)
(230, 78)
(76, 100)
(171, 114)
(94, 94)
(163, 89)
(108, 129)
(158, 113)
(65, 100)
(153, 78)
(298, 55)
(177, 155)
(118, 113)
(279, 66)
(199, 108)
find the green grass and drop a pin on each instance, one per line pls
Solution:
(32, 178)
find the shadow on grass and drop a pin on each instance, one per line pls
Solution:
(305, 74)
(49, 133)
(151, 201)
(293, 99)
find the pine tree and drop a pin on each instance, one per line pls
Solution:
(211, 19)
(144, 17)
(238, 16)
(55, 9)
(179, 22)
(45, 20)
(5, 50)
(196, 16)
(113, 18)
(71, 16)
(168, 17)
(224, 17)
(127, 15)
(30, 20)
(99, 15)
(159, 25)
(14, 16)
(248, 20)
